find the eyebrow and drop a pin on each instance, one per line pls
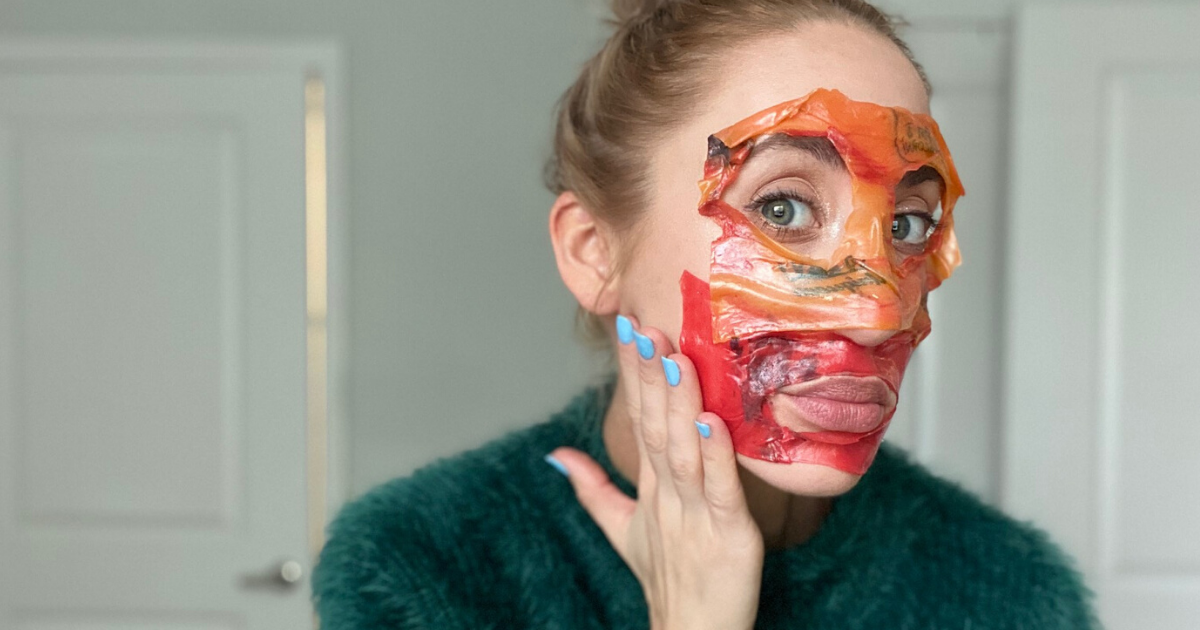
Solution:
(922, 175)
(818, 146)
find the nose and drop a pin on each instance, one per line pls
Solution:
(868, 228)
(866, 338)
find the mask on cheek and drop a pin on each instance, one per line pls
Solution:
(761, 331)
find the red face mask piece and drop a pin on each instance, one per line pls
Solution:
(764, 322)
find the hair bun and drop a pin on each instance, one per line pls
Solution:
(627, 11)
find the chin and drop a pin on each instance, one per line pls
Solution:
(811, 480)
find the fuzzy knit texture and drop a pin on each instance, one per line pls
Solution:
(494, 538)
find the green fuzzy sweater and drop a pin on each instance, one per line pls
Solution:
(494, 538)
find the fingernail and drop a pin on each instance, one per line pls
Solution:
(645, 345)
(671, 369)
(624, 329)
(705, 430)
(553, 461)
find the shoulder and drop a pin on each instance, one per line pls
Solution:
(978, 562)
(428, 549)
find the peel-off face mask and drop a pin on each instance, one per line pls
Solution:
(834, 215)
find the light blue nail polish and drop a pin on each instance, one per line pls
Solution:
(645, 345)
(705, 430)
(624, 329)
(550, 459)
(671, 369)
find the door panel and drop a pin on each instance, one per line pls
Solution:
(1152, 228)
(108, 430)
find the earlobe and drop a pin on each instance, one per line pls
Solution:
(583, 252)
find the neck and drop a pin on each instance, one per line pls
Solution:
(785, 519)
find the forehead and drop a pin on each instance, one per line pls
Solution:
(764, 71)
(862, 64)
(879, 144)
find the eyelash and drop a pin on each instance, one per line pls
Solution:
(934, 223)
(759, 201)
(763, 199)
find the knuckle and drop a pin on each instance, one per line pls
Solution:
(722, 504)
(592, 497)
(647, 373)
(683, 469)
(725, 501)
(586, 495)
(716, 457)
(655, 441)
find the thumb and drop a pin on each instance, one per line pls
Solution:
(603, 501)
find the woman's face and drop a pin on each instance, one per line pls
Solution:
(673, 237)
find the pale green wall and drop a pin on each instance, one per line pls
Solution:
(460, 329)
(460, 326)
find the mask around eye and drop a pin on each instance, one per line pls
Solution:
(762, 326)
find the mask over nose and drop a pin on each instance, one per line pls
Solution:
(761, 330)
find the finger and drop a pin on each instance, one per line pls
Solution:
(628, 363)
(722, 486)
(653, 383)
(610, 508)
(683, 448)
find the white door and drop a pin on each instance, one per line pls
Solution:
(947, 417)
(1103, 422)
(152, 339)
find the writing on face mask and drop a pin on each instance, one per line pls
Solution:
(834, 215)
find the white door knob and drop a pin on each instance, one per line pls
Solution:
(285, 575)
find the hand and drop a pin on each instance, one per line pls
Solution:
(689, 538)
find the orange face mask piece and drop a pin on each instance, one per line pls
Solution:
(760, 286)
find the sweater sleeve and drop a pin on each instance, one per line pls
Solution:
(1005, 575)
(971, 565)
(381, 570)
(1046, 589)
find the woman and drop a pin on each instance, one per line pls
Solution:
(774, 299)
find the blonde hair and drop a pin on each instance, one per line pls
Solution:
(641, 82)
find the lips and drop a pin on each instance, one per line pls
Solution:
(845, 388)
(847, 404)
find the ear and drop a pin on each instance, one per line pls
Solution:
(584, 254)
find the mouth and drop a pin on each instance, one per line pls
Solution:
(843, 404)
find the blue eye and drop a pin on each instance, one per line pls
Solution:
(788, 212)
(913, 229)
